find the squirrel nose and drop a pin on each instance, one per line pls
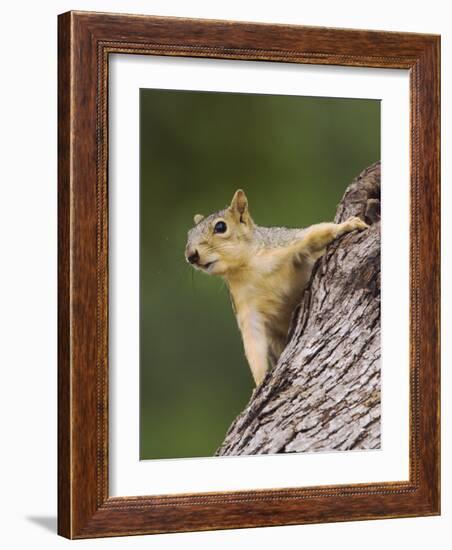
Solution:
(193, 258)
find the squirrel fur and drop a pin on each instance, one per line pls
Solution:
(265, 268)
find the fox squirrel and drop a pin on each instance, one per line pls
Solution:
(265, 268)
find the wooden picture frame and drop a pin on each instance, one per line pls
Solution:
(85, 42)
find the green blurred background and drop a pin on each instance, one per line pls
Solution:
(293, 156)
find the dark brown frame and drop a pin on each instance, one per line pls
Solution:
(85, 41)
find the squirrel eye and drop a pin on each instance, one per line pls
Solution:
(220, 227)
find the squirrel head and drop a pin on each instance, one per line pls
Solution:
(219, 244)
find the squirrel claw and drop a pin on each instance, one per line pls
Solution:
(356, 223)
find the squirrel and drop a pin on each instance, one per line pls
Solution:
(266, 270)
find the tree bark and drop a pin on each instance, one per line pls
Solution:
(324, 393)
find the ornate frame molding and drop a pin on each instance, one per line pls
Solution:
(85, 42)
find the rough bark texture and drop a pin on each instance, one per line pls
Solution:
(324, 393)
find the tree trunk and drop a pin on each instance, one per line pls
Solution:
(324, 393)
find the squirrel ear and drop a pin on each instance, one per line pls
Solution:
(198, 218)
(239, 202)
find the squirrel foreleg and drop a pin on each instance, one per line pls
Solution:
(319, 236)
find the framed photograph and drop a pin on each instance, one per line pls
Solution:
(248, 275)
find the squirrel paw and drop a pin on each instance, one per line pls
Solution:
(356, 223)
